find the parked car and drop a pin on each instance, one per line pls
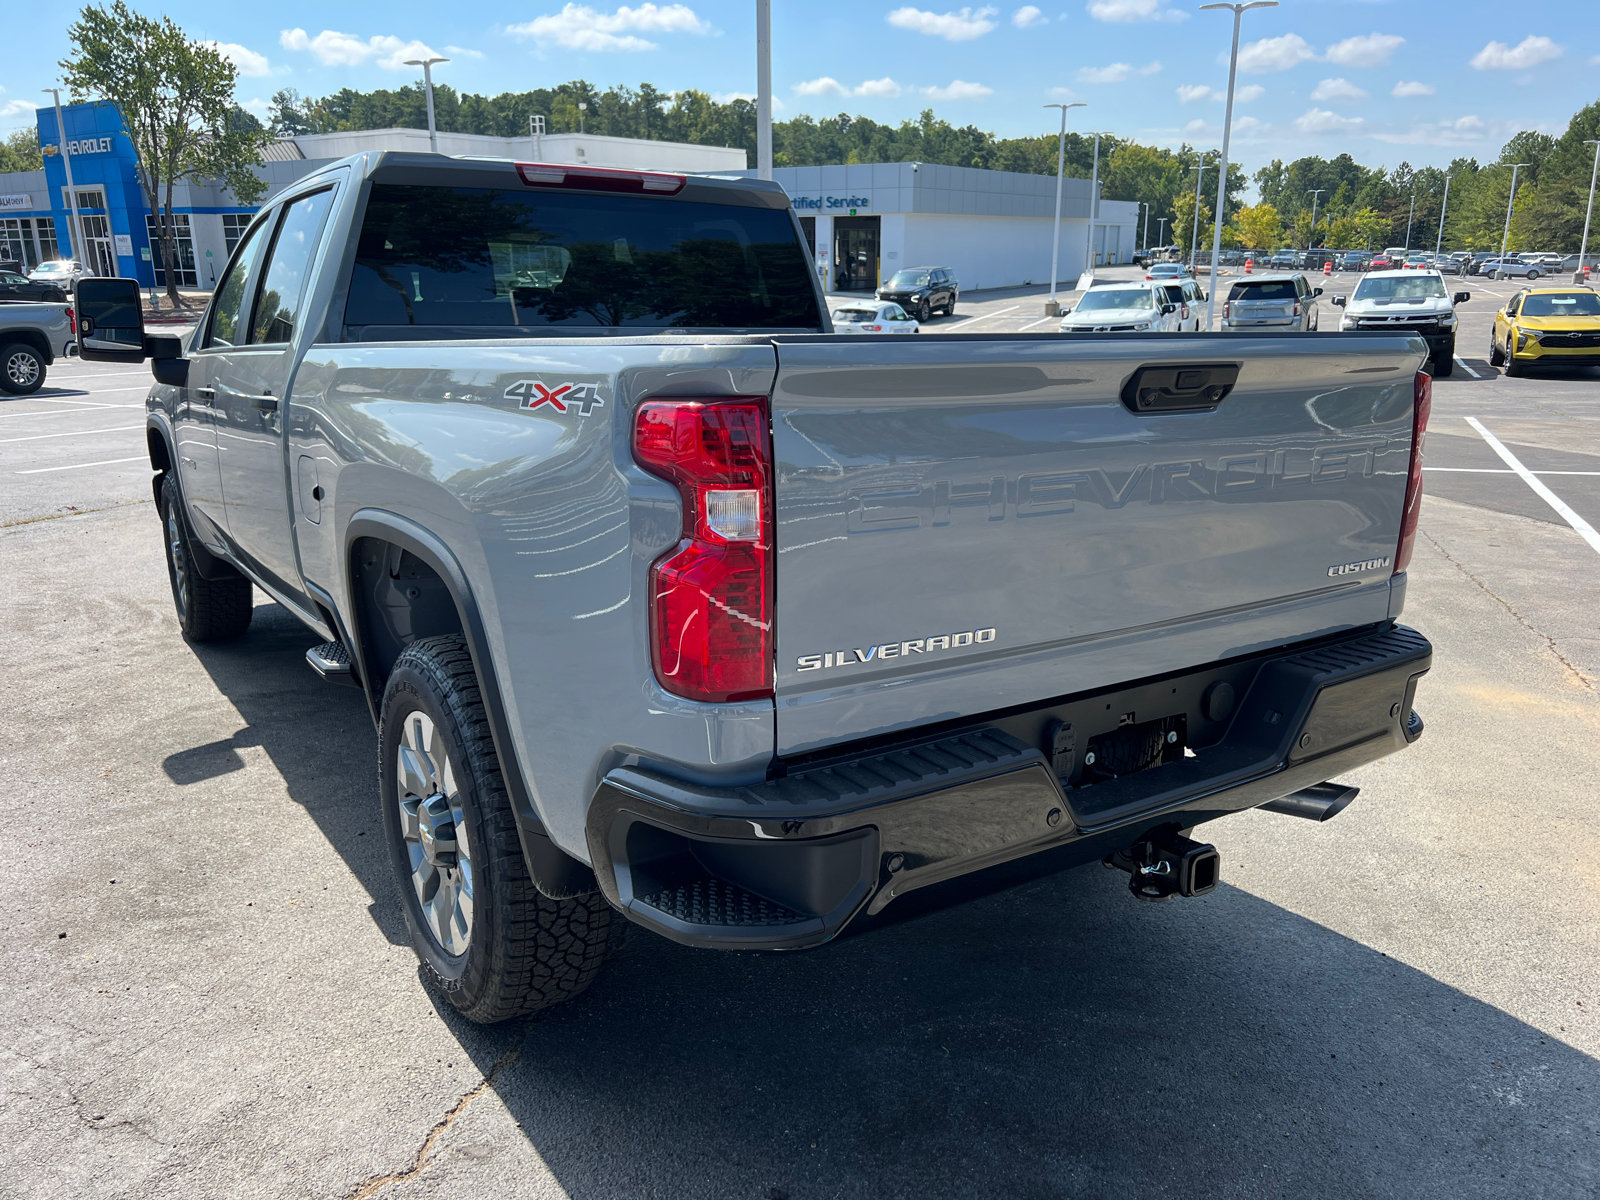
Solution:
(58, 272)
(1276, 302)
(1407, 302)
(1124, 308)
(1509, 268)
(32, 336)
(1353, 260)
(1189, 296)
(1286, 258)
(1167, 270)
(920, 290)
(1382, 262)
(879, 317)
(1479, 257)
(665, 617)
(19, 287)
(1548, 326)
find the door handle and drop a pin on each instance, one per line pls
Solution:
(206, 393)
(264, 403)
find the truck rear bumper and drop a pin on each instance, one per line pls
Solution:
(787, 863)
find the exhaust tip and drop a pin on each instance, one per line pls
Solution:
(1320, 802)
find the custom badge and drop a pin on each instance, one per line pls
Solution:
(530, 393)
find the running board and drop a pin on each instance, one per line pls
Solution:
(332, 661)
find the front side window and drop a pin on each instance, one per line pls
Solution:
(229, 317)
(475, 257)
(282, 288)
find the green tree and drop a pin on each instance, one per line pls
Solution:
(1259, 227)
(176, 100)
(20, 151)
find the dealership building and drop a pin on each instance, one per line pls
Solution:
(864, 222)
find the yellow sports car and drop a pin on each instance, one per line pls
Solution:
(1554, 325)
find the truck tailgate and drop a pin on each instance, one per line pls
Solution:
(966, 524)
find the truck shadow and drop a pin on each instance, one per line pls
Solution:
(1054, 1038)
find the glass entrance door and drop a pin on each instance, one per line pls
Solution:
(855, 253)
(98, 258)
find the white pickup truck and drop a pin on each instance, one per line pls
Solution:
(32, 336)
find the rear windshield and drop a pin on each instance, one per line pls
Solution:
(541, 260)
(1396, 287)
(1278, 289)
(1576, 304)
(854, 316)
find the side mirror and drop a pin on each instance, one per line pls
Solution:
(1316, 291)
(1168, 309)
(1066, 310)
(1339, 301)
(1461, 298)
(110, 320)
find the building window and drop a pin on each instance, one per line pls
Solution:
(87, 198)
(185, 246)
(27, 240)
(233, 227)
(45, 229)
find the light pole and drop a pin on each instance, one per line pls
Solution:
(1593, 171)
(79, 250)
(1195, 239)
(1238, 11)
(427, 81)
(1145, 236)
(583, 107)
(1094, 205)
(1315, 194)
(763, 89)
(1161, 231)
(1443, 208)
(1506, 236)
(1409, 214)
(1051, 307)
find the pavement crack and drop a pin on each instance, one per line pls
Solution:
(1550, 642)
(425, 1152)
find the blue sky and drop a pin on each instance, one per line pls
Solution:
(1419, 80)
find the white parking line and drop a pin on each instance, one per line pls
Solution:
(105, 462)
(34, 437)
(1046, 321)
(1460, 360)
(984, 317)
(1585, 530)
(1501, 471)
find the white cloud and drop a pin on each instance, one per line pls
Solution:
(1337, 89)
(334, 49)
(1028, 16)
(879, 87)
(959, 89)
(18, 108)
(1320, 120)
(1371, 50)
(1247, 125)
(1274, 54)
(1470, 130)
(1190, 92)
(1196, 126)
(579, 27)
(1413, 88)
(730, 97)
(258, 106)
(960, 26)
(462, 52)
(1249, 92)
(248, 62)
(1529, 52)
(1153, 67)
(1127, 12)
(1115, 73)
(1062, 93)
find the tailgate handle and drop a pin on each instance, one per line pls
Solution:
(1183, 387)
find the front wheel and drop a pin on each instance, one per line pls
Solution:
(924, 312)
(1443, 364)
(1497, 357)
(488, 939)
(1513, 368)
(209, 610)
(21, 369)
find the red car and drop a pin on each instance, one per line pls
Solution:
(1383, 262)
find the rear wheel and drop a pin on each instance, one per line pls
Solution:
(209, 610)
(950, 309)
(489, 940)
(21, 369)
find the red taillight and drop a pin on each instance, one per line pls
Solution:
(711, 595)
(1227, 307)
(1413, 509)
(1297, 308)
(874, 328)
(72, 322)
(599, 179)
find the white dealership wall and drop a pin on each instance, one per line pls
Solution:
(993, 228)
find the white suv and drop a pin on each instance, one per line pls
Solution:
(1123, 308)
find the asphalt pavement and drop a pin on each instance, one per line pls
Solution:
(209, 991)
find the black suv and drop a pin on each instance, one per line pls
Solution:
(920, 290)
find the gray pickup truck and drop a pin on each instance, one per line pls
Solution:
(672, 605)
(33, 334)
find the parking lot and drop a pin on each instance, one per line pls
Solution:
(211, 993)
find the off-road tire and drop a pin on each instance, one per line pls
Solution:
(1513, 368)
(209, 610)
(22, 369)
(1443, 366)
(1497, 355)
(526, 951)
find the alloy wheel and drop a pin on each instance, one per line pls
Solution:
(179, 563)
(435, 832)
(22, 369)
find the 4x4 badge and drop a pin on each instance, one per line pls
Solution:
(530, 393)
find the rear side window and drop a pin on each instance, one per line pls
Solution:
(1278, 289)
(486, 257)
